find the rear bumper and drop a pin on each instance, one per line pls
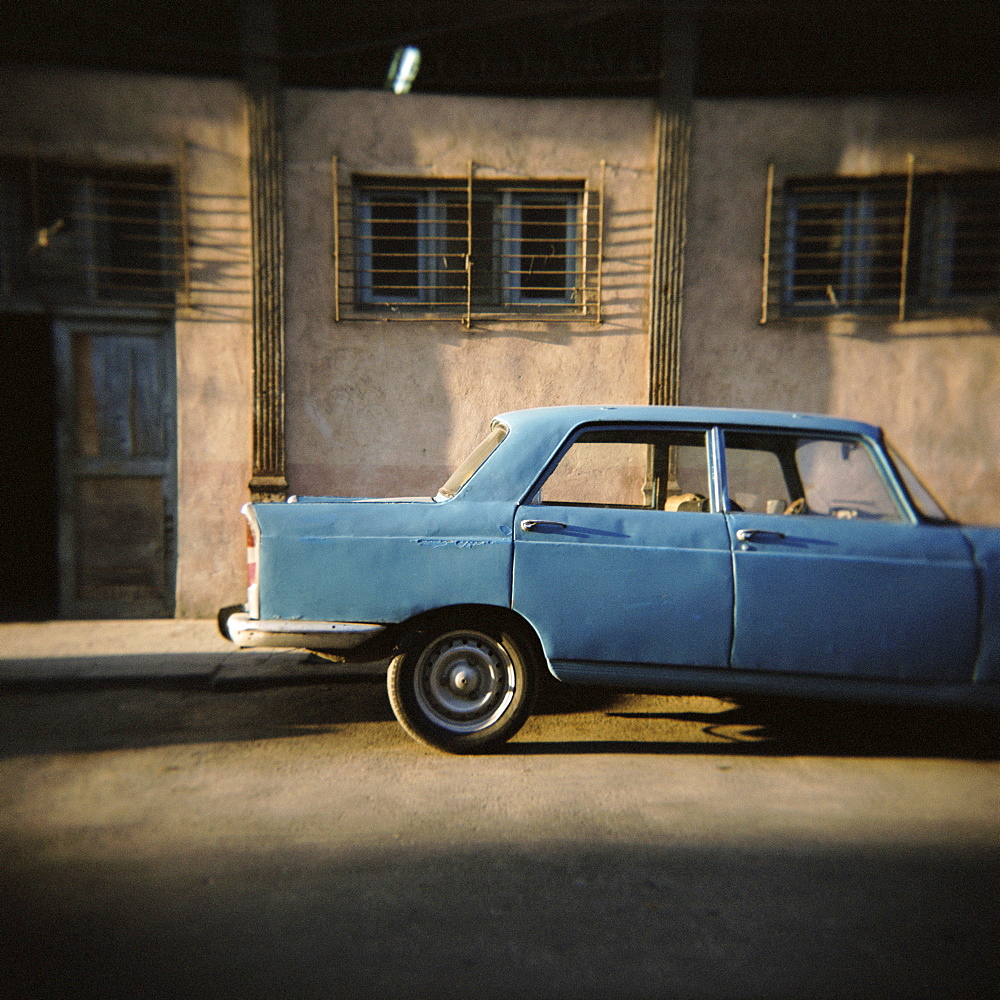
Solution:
(247, 632)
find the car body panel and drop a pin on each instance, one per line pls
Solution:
(381, 562)
(854, 598)
(986, 546)
(664, 593)
(904, 609)
(753, 683)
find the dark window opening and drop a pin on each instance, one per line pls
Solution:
(81, 235)
(888, 245)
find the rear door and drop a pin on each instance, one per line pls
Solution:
(619, 556)
(833, 574)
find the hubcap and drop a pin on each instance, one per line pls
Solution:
(464, 681)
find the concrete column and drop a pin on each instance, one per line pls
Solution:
(678, 56)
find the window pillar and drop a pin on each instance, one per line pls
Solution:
(677, 63)
(267, 227)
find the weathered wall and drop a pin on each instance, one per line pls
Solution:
(128, 120)
(378, 407)
(934, 385)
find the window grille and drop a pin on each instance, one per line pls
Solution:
(894, 245)
(80, 235)
(466, 248)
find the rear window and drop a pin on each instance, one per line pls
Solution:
(465, 471)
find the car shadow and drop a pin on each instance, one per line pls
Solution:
(778, 727)
(568, 720)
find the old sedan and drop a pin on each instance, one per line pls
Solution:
(670, 549)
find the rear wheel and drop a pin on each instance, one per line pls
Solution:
(463, 690)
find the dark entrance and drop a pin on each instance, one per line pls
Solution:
(29, 505)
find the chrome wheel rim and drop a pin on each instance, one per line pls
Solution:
(464, 681)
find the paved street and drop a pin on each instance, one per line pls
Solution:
(291, 841)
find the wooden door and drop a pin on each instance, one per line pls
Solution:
(117, 469)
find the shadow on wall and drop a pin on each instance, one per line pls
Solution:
(368, 410)
(929, 380)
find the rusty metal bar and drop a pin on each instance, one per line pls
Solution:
(467, 318)
(768, 208)
(335, 170)
(907, 221)
(36, 211)
(182, 180)
(600, 251)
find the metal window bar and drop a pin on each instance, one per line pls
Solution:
(416, 249)
(902, 245)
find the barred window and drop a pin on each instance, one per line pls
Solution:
(79, 235)
(471, 249)
(894, 245)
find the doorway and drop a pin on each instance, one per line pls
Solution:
(116, 462)
(29, 505)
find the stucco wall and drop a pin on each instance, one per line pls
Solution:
(133, 120)
(389, 408)
(934, 384)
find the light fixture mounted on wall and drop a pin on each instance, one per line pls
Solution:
(403, 69)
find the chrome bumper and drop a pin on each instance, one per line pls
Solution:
(249, 632)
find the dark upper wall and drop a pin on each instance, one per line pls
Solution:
(540, 47)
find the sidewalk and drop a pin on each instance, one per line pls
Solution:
(152, 652)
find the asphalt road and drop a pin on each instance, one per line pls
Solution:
(293, 842)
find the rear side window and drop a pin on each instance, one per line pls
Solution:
(632, 467)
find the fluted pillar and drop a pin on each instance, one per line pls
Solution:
(670, 222)
(267, 234)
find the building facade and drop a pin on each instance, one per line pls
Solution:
(444, 258)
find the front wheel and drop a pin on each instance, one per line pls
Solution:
(463, 690)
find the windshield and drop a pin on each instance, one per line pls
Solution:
(919, 494)
(479, 454)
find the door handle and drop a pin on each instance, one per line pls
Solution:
(531, 524)
(756, 535)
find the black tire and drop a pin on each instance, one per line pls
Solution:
(464, 690)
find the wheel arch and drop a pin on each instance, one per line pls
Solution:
(408, 632)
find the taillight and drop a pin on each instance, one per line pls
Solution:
(253, 558)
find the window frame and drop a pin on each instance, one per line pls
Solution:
(885, 265)
(512, 226)
(482, 230)
(880, 464)
(533, 496)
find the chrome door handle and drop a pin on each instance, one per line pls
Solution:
(530, 524)
(756, 535)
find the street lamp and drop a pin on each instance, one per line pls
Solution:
(403, 69)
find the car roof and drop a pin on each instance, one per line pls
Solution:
(568, 417)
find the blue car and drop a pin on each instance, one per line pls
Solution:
(673, 549)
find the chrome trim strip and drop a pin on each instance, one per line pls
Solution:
(247, 632)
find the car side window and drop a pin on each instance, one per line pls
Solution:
(789, 474)
(755, 478)
(638, 468)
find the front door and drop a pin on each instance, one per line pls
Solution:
(117, 469)
(833, 575)
(619, 558)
